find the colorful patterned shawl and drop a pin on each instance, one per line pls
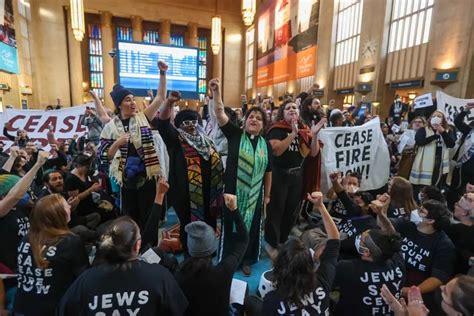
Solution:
(140, 136)
(195, 182)
(250, 173)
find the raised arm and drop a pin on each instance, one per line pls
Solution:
(99, 108)
(8, 165)
(154, 106)
(17, 192)
(218, 105)
(280, 146)
(315, 128)
(331, 229)
(380, 207)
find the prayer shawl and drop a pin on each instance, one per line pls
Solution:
(304, 134)
(424, 163)
(195, 182)
(250, 173)
(140, 136)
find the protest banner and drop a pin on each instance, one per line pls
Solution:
(360, 149)
(423, 101)
(451, 106)
(66, 123)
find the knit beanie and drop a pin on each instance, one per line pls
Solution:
(7, 182)
(202, 240)
(118, 93)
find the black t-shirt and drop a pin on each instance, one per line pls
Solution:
(463, 237)
(139, 288)
(233, 135)
(39, 290)
(86, 205)
(396, 212)
(13, 227)
(337, 209)
(426, 255)
(292, 157)
(316, 302)
(360, 282)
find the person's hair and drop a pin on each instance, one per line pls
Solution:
(48, 225)
(306, 106)
(438, 212)
(401, 194)
(281, 110)
(462, 295)
(294, 271)
(353, 174)
(82, 160)
(444, 122)
(433, 193)
(48, 173)
(337, 115)
(194, 266)
(116, 245)
(410, 125)
(258, 110)
(367, 197)
(389, 244)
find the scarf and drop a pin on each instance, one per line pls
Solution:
(201, 143)
(140, 136)
(195, 181)
(304, 134)
(424, 163)
(250, 173)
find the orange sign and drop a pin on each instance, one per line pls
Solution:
(287, 37)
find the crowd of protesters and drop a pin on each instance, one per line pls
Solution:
(79, 223)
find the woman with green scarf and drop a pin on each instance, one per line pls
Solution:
(248, 175)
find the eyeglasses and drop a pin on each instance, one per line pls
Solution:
(189, 123)
(417, 122)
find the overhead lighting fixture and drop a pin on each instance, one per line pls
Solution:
(249, 7)
(77, 19)
(216, 34)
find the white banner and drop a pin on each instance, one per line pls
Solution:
(423, 101)
(451, 106)
(360, 149)
(36, 123)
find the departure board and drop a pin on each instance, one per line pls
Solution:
(138, 69)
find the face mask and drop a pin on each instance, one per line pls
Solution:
(23, 201)
(352, 189)
(420, 197)
(415, 217)
(435, 120)
(360, 249)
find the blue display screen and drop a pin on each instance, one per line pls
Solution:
(138, 70)
(8, 58)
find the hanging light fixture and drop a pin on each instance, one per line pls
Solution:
(216, 34)
(77, 19)
(249, 7)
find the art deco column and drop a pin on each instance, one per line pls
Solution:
(192, 35)
(107, 46)
(75, 64)
(165, 32)
(137, 28)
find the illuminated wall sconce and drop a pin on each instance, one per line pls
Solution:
(411, 96)
(444, 77)
(77, 19)
(249, 8)
(85, 86)
(216, 34)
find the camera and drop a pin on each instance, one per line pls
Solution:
(113, 53)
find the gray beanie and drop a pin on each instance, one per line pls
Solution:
(202, 240)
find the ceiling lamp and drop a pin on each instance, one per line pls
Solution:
(249, 7)
(216, 34)
(77, 19)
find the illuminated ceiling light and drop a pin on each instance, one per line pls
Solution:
(249, 7)
(77, 19)
(412, 95)
(216, 34)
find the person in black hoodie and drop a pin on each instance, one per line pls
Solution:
(122, 284)
(206, 286)
(49, 258)
(303, 284)
(359, 280)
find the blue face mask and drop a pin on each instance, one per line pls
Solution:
(23, 201)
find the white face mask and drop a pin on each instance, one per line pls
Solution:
(415, 217)
(360, 249)
(352, 189)
(435, 120)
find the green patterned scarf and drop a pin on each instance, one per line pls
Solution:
(250, 173)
